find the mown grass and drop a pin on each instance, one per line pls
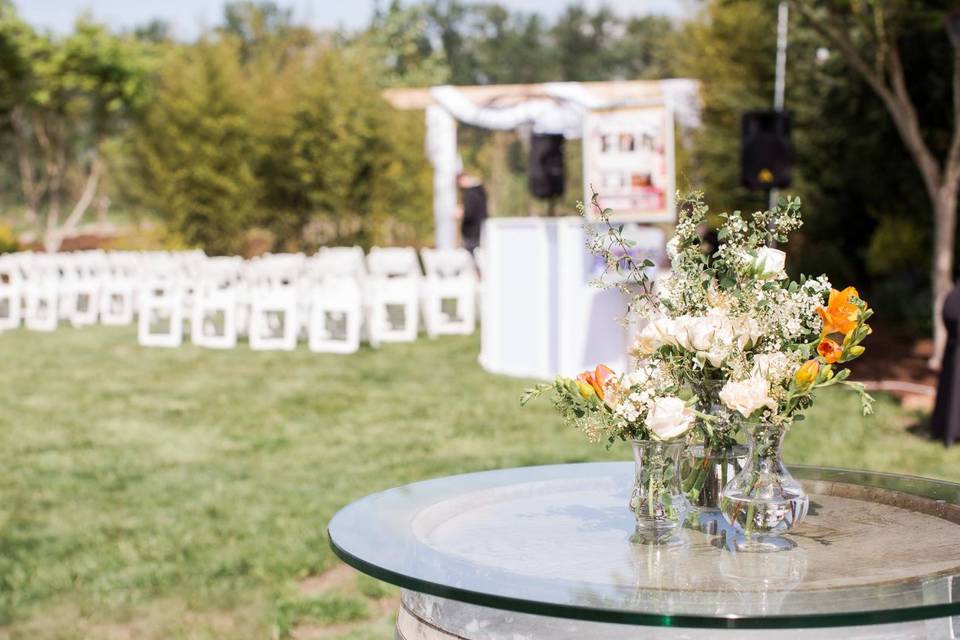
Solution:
(185, 493)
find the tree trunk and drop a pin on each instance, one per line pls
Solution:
(945, 230)
(32, 189)
(55, 233)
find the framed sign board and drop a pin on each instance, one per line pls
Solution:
(628, 157)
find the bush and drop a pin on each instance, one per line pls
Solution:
(8, 240)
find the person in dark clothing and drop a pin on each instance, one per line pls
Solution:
(945, 423)
(474, 198)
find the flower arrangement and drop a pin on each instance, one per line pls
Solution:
(732, 322)
(642, 405)
(726, 329)
(729, 340)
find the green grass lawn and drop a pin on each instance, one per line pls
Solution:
(185, 493)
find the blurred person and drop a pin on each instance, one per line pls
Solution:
(474, 209)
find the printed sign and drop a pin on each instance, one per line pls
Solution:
(628, 157)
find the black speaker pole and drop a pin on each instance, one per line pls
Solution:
(780, 82)
(551, 207)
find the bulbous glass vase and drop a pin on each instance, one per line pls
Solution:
(657, 500)
(763, 501)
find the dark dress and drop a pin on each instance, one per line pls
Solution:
(945, 423)
(474, 213)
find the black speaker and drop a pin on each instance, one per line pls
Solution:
(545, 171)
(766, 155)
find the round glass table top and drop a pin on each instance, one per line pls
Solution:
(555, 541)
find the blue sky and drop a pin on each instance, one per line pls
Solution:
(189, 17)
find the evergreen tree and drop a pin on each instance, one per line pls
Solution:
(195, 150)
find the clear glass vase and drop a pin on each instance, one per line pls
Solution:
(763, 501)
(709, 465)
(704, 471)
(657, 500)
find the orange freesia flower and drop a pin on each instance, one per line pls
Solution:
(840, 315)
(601, 375)
(829, 350)
(807, 373)
(590, 382)
(585, 384)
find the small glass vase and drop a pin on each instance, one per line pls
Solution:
(704, 471)
(708, 466)
(763, 501)
(657, 501)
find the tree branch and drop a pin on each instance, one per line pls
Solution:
(853, 57)
(896, 98)
(86, 198)
(32, 187)
(952, 165)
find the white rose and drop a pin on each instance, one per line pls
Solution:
(764, 363)
(770, 262)
(716, 355)
(747, 396)
(746, 331)
(661, 331)
(681, 332)
(700, 333)
(669, 418)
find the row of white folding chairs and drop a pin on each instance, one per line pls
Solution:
(271, 321)
(387, 299)
(96, 285)
(40, 306)
(84, 288)
(333, 315)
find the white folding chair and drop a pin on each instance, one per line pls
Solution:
(393, 295)
(41, 293)
(11, 293)
(335, 315)
(274, 282)
(273, 319)
(449, 292)
(116, 301)
(84, 302)
(214, 318)
(213, 322)
(40, 312)
(338, 261)
(160, 323)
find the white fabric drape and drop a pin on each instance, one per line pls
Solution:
(442, 153)
(550, 114)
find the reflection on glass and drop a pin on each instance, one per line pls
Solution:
(761, 581)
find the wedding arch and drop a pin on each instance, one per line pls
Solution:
(564, 108)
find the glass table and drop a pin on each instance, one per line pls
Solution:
(544, 553)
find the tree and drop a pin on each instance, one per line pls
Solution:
(860, 226)
(868, 35)
(193, 149)
(583, 43)
(64, 99)
(336, 163)
(398, 43)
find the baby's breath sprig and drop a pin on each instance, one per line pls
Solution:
(616, 252)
